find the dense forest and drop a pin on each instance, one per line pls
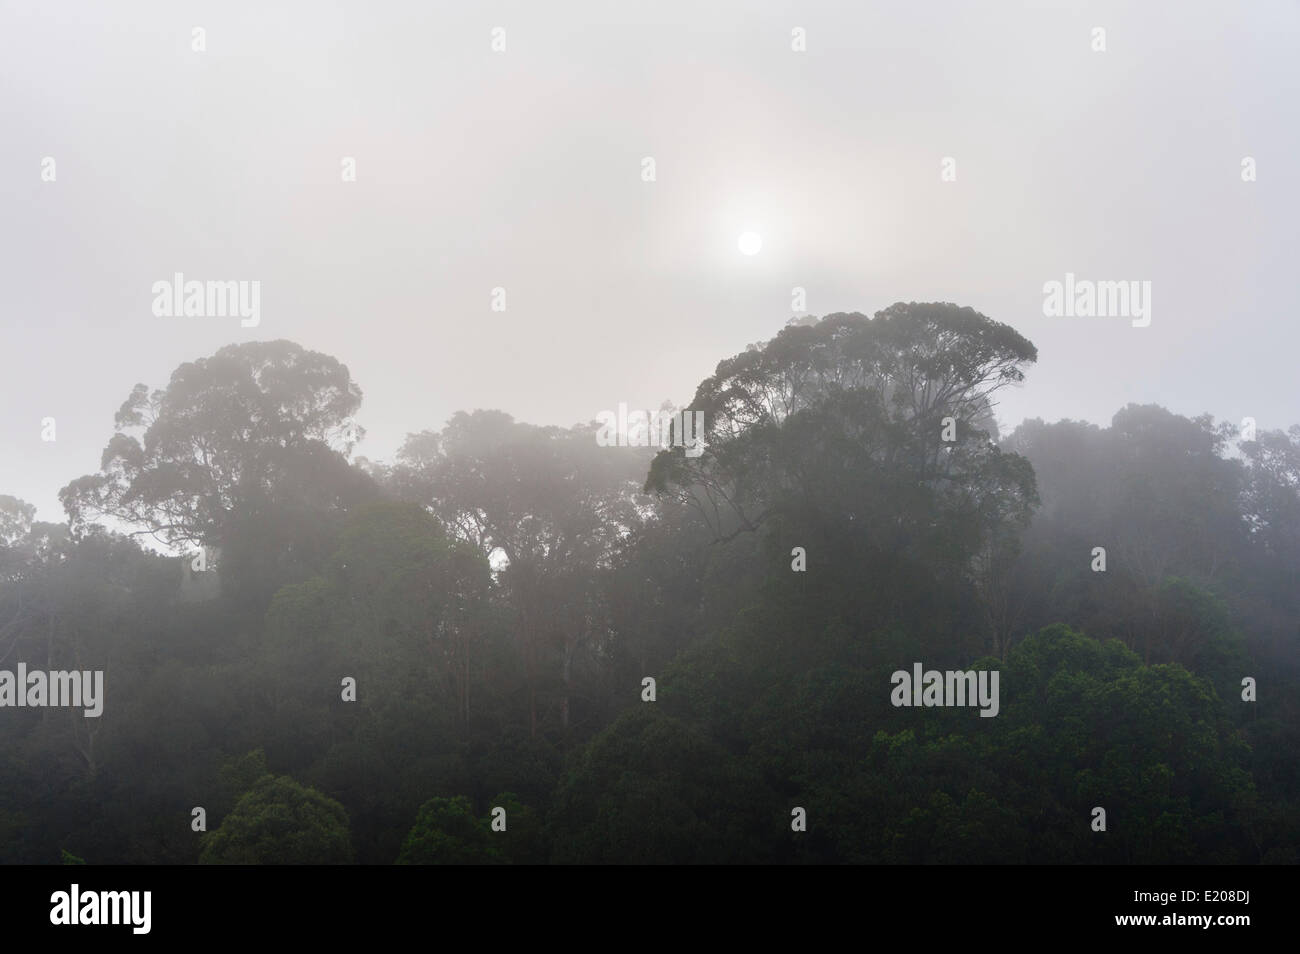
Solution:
(646, 655)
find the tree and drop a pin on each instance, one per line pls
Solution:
(549, 504)
(399, 604)
(651, 789)
(279, 822)
(872, 441)
(243, 451)
(446, 833)
(1156, 491)
(523, 842)
(1271, 496)
(823, 412)
(15, 519)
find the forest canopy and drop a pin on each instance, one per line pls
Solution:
(511, 644)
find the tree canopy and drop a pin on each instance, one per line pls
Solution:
(511, 644)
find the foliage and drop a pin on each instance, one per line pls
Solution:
(501, 590)
(280, 822)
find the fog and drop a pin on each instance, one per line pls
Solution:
(600, 434)
(521, 169)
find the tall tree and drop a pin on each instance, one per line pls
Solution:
(243, 451)
(551, 506)
(883, 425)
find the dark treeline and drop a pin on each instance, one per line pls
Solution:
(500, 591)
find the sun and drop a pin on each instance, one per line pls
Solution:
(750, 243)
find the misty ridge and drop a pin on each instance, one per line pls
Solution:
(825, 612)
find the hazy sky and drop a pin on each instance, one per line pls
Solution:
(523, 169)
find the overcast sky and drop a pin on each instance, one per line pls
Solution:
(522, 169)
